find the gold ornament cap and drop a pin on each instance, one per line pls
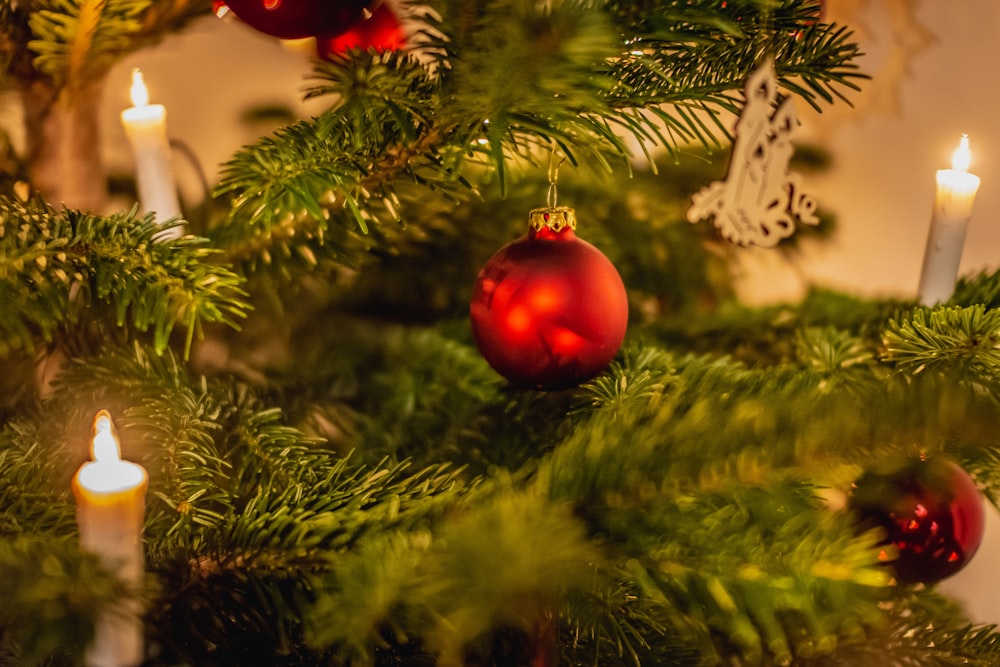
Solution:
(556, 218)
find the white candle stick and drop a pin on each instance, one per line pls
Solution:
(956, 193)
(146, 127)
(110, 508)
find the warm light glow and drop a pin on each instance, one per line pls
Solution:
(544, 299)
(105, 447)
(564, 342)
(519, 320)
(963, 156)
(139, 93)
(107, 473)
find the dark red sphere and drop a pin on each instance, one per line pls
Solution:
(549, 310)
(931, 511)
(295, 19)
(382, 31)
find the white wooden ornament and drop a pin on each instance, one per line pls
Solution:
(760, 200)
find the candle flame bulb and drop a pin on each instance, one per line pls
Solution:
(138, 91)
(105, 445)
(110, 508)
(962, 157)
(956, 192)
(107, 472)
(146, 128)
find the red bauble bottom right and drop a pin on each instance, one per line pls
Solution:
(932, 513)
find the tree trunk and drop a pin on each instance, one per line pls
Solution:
(63, 144)
(546, 643)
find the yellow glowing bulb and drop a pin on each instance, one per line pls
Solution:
(963, 156)
(105, 446)
(107, 473)
(139, 93)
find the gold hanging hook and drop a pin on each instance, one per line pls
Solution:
(553, 194)
(556, 218)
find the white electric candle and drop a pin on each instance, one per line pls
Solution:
(956, 193)
(110, 508)
(146, 127)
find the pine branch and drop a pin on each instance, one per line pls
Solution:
(243, 511)
(77, 41)
(693, 63)
(313, 190)
(207, 445)
(957, 342)
(920, 631)
(982, 288)
(266, 562)
(617, 626)
(748, 586)
(57, 265)
(494, 86)
(51, 593)
(31, 457)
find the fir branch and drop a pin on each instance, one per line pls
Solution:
(962, 343)
(502, 82)
(818, 63)
(360, 610)
(77, 41)
(192, 480)
(922, 630)
(430, 399)
(505, 563)
(52, 593)
(207, 445)
(763, 598)
(844, 360)
(693, 63)
(320, 189)
(982, 288)
(266, 562)
(641, 377)
(56, 265)
(31, 458)
(614, 624)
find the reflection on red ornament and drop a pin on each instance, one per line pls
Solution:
(549, 310)
(381, 31)
(931, 512)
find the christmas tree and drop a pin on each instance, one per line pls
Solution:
(337, 475)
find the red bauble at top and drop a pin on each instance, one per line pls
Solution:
(295, 19)
(382, 30)
(931, 511)
(549, 310)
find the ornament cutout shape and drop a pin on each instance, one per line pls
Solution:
(760, 200)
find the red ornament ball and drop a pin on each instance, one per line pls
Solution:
(549, 310)
(295, 19)
(931, 511)
(382, 31)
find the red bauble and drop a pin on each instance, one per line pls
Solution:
(930, 510)
(381, 31)
(549, 310)
(295, 19)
